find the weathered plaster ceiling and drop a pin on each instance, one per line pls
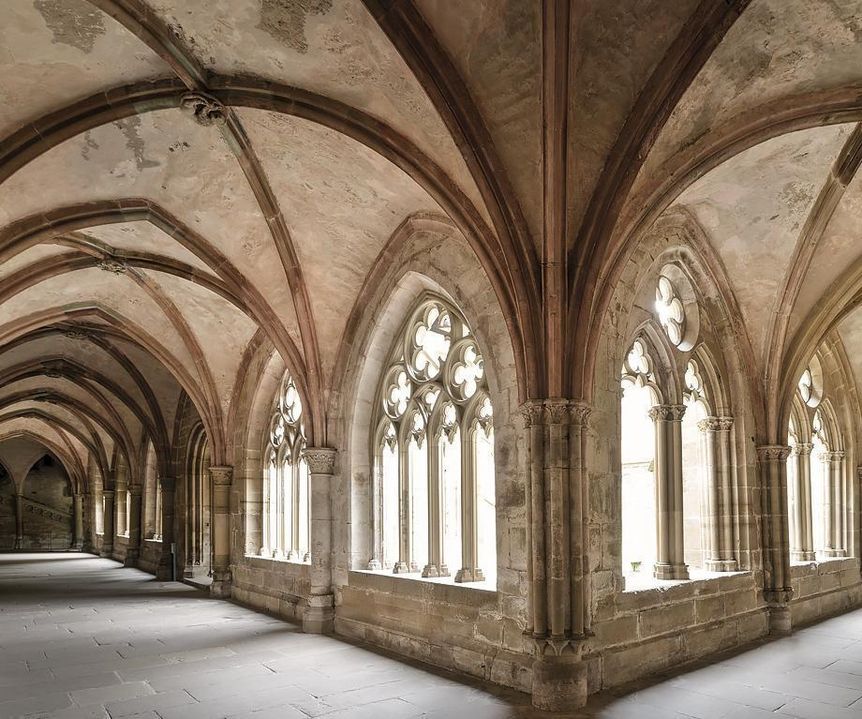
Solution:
(55, 51)
(753, 208)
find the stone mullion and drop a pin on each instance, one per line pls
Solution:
(435, 514)
(108, 523)
(668, 474)
(376, 561)
(266, 520)
(19, 520)
(777, 591)
(221, 478)
(716, 435)
(470, 570)
(168, 485)
(78, 519)
(193, 484)
(405, 544)
(134, 546)
(832, 506)
(293, 550)
(319, 614)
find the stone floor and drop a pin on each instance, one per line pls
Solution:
(84, 637)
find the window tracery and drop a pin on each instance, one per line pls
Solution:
(434, 497)
(670, 311)
(285, 480)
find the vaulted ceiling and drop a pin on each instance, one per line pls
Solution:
(182, 181)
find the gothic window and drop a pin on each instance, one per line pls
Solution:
(434, 489)
(285, 480)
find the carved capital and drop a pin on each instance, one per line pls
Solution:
(532, 412)
(773, 452)
(556, 411)
(835, 456)
(715, 424)
(667, 412)
(580, 412)
(205, 109)
(110, 264)
(320, 460)
(803, 448)
(222, 476)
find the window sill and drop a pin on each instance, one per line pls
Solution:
(647, 582)
(416, 579)
(153, 541)
(279, 560)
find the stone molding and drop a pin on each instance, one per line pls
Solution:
(320, 460)
(205, 109)
(831, 456)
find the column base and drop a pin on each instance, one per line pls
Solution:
(720, 565)
(77, 546)
(107, 551)
(780, 622)
(402, 568)
(189, 571)
(318, 617)
(671, 571)
(374, 564)
(431, 570)
(467, 574)
(131, 559)
(559, 683)
(799, 555)
(221, 586)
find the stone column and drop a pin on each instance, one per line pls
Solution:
(19, 520)
(120, 499)
(107, 523)
(670, 562)
(434, 567)
(833, 529)
(772, 463)
(165, 570)
(557, 621)
(133, 549)
(803, 548)
(470, 570)
(89, 520)
(221, 478)
(77, 521)
(319, 614)
(406, 562)
(719, 494)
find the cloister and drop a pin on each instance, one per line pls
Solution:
(518, 340)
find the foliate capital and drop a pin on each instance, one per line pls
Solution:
(667, 412)
(532, 412)
(320, 460)
(221, 475)
(205, 109)
(715, 424)
(556, 411)
(803, 448)
(773, 452)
